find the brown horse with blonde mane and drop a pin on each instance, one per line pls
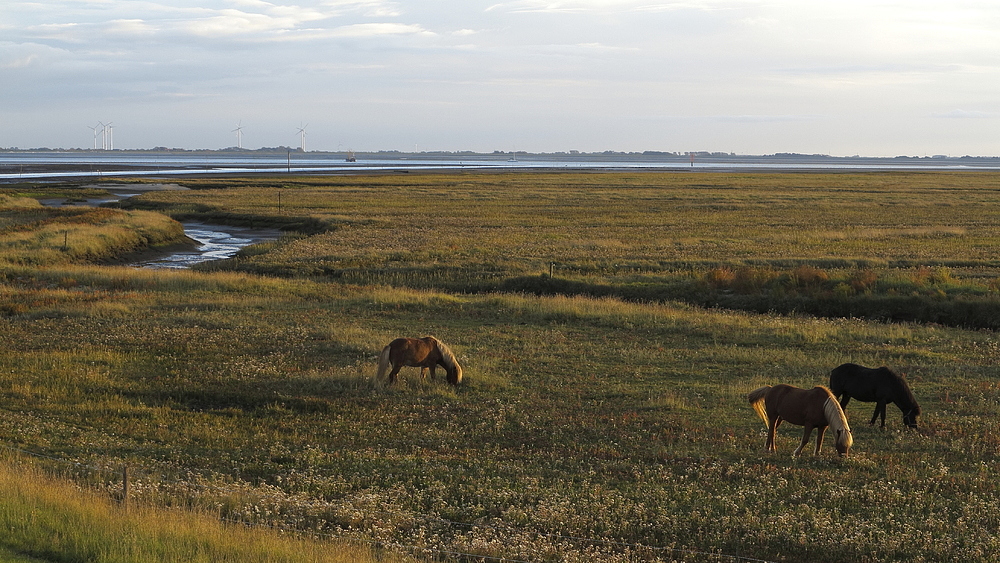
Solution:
(812, 408)
(426, 353)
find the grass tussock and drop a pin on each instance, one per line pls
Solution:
(36, 236)
(51, 520)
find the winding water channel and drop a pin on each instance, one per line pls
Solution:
(215, 242)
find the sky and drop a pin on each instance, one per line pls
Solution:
(845, 77)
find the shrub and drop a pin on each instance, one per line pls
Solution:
(808, 276)
(863, 281)
(720, 278)
(753, 280)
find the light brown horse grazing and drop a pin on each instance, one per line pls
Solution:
(426, 353)
(812, 408)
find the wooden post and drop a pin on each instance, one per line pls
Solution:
(552, 266)
(125, 485)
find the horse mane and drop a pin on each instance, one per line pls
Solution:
(756, 399)
(898, 382)
(837, 420)
(447, 358)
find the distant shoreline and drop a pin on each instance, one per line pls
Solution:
(91, 165)
(558, 155)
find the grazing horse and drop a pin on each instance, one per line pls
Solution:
(880, 386)
(812, 408)
(426, 353)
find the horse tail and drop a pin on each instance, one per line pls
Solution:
(837, 421)
(449, 361)
(383, 363)
(756, 400)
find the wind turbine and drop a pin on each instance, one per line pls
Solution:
(94, 129)
(106, 140)
(302, 137)
(239, 134)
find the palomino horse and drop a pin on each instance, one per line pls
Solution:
(426, 353)
(880, 386)
(812, 408)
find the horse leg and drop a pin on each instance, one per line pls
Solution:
(805, 440)
(820, 432)
(423, 373)
(433, 368)
(844, 401)
(879, 409)
(392, 374)
(772, 429)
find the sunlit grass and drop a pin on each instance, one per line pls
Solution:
(41, 236)
(50, 520)
(643, 236)
(598, 418)
(253, 398)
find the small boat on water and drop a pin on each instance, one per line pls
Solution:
(351, 157)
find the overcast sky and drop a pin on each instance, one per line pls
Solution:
(841, 77)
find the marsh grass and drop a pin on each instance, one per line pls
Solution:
(252, 398)
(37, 236)
(839, 245)
(47, 519)
(588, 427)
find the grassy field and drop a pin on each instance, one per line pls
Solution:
(31, 234)
(917, 246)
(585, 429)
(46, 519)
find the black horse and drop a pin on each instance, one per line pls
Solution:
(880, 386)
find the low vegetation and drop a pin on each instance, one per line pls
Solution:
(31, 234)
(45, 519)
(587, 428)
(899, 246)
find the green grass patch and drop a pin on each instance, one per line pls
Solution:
(609, 420)
(46, 519)
(603, 413)
(38, 236)
(886, 246)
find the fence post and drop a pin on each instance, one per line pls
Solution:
(125, 485)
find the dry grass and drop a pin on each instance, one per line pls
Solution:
(620, 424)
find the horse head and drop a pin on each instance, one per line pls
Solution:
(844, 441)
(449, 361)
(455, 374)
(910, 417)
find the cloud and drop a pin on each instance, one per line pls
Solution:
(234, 22)
(580, 6)
(25, 55)
(130, 27)
(379, 29)
(740, 118)
(964, 114)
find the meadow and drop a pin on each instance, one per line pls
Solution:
(587, 428)
(891, 246)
